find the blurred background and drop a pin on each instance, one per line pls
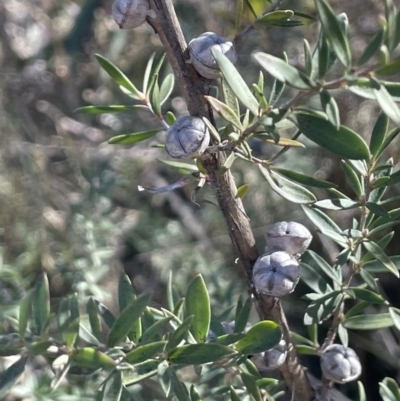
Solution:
(69, 203)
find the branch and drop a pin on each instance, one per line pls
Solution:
(168, 28)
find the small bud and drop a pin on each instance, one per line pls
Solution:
(276, 273)
(187, 138)
(129, 14)
(202, 58)
(340, 364)
(288, 236)
(271, 359)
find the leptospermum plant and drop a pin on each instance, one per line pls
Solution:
(145, 343)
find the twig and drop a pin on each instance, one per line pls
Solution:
(168, 28)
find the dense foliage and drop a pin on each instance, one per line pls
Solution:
(175, 340)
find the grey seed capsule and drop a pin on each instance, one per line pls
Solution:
(187, 138)
(288, 236)
(340, 364)
(201, 57)
(271, 359)
(276, 273)
(129, 14)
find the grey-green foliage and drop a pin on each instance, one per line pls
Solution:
(156, 345)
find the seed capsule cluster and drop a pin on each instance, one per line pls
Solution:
(340, 364)
(130, 14)
(202, 58)
(277, 272)
(187, 138)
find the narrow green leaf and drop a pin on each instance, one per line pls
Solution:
(228, 339)
(179, 388)
(356, 309)
(242, 191)
(306, 350)
(170, 118)
(386, 175)
(192, 168)
(234, 396)
(197, 303)
(224, 111)
(125, 297)
(140, 371)
(25, 313)
(276, 91)
(380, 255)
(41, 303)
(311, 277)
(352, 178)
(282, 71)
(195, 354)
(250, 382)
(94, 320)
(395, 314)
(91, 358)
(368, 322)
(125, 291)
(107, 109)
(286, 188)
(304, 179)
(372, 47)
(112, 389)
(147, 72)
(155, 331)
(377, 209)
(118, 76)
(236, 82)
(179, 334)
(386, 393)
(388, 105)
(337, 204)
(261, 337)
(343, 142)
(333, 33)
(308, 58)
(242, 316)
(321, 220)
(10, 376)
(127, 319)
(367, 295)
(274, 16)
(361, 392)
(166, 88)
(131, 139)
(194, 395)
(164, 376)
(323, 265)
(155, 73)
(250, 7)
(390, 14)
(322, 307)
(144, 352)
(324, 57)
(228, 163)
(155, 99)
(394, 178)
(330, 107)
(369, 280)
(378, 134)
(239, 15)
(389, 69)
(343, 335)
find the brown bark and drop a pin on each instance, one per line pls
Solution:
(192, 86)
